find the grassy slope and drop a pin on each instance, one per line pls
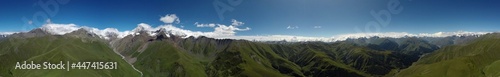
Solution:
(163, 59)
(210, 57)
(261, 61)
(339, 59)
(479, 58)
(58, 48)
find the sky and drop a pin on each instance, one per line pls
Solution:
(308, 18)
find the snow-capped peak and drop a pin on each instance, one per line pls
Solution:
(107, 33)
(5, 34)
(404, 34)
(169, 30)
(61, 29)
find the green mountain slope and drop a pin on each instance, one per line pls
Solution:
(476, 59)
(165, 58)
(359, 60)
(202, 56)
(54, 49)
(167, 55)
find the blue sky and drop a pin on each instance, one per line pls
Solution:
(264, 17)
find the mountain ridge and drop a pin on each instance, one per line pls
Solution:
(167, 54)
(112, 33)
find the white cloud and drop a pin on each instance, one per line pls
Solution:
(204, 25)
(317, 27)
(7, 33)
(142, 27)
(292, 27)
(223, 30)
(236, 23)
(59, 29)
(170, 18)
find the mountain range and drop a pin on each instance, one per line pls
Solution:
(3, 35)
(166, 53)
(475, 59)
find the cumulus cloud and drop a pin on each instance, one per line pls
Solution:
(224, 30)
(230, 30)
(292, 27)
(170, 18)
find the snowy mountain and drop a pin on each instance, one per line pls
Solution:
(2, 36)
(5, 34)
(228, 32)
(61, 29)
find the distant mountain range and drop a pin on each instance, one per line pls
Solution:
(165, 53)
(40, 46)
(479, 58)
(3, 36)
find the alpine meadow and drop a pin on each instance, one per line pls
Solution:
(249, 38)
